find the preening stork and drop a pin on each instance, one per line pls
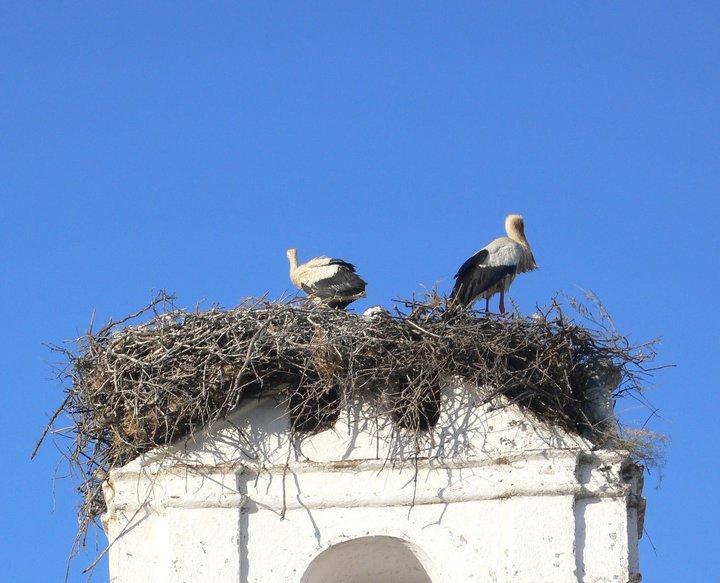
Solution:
(330, 281)
(493, 269)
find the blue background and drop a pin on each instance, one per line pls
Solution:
(184, 146)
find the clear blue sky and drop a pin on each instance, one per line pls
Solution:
(184, 146)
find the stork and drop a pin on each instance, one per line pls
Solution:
(493, 269)
(326, 280)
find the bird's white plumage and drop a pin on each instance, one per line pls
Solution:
(311, 274)
(330, 281)
(503, 251)
(375, 311)
(317, 261)
(493, 268)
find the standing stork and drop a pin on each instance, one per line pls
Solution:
(329, 281)
(492, 269)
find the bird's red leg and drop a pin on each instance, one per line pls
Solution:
(502, 302)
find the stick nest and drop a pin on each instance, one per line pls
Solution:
(135, 387)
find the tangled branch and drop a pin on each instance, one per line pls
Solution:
(135, 387)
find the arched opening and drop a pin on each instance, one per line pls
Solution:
(370, 559)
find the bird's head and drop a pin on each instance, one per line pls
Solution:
(515, 227)
(292, 255)
(514, 222)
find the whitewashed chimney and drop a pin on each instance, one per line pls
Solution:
(493, 495)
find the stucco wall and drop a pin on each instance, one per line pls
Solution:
(494, 495)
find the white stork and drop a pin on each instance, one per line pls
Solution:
(492, 269)
(327, 280)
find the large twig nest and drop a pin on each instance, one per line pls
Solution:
(137, 387)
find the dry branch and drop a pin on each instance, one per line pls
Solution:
(135, 387)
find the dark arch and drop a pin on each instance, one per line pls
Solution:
(369, 559)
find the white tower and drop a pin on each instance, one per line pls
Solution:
(492, 494)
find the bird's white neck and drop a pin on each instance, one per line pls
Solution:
(516, 234)
(292, 258)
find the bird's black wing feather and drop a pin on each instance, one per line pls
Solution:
(338, 290)
(476, 281)
(478, 259)
(342, 263)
